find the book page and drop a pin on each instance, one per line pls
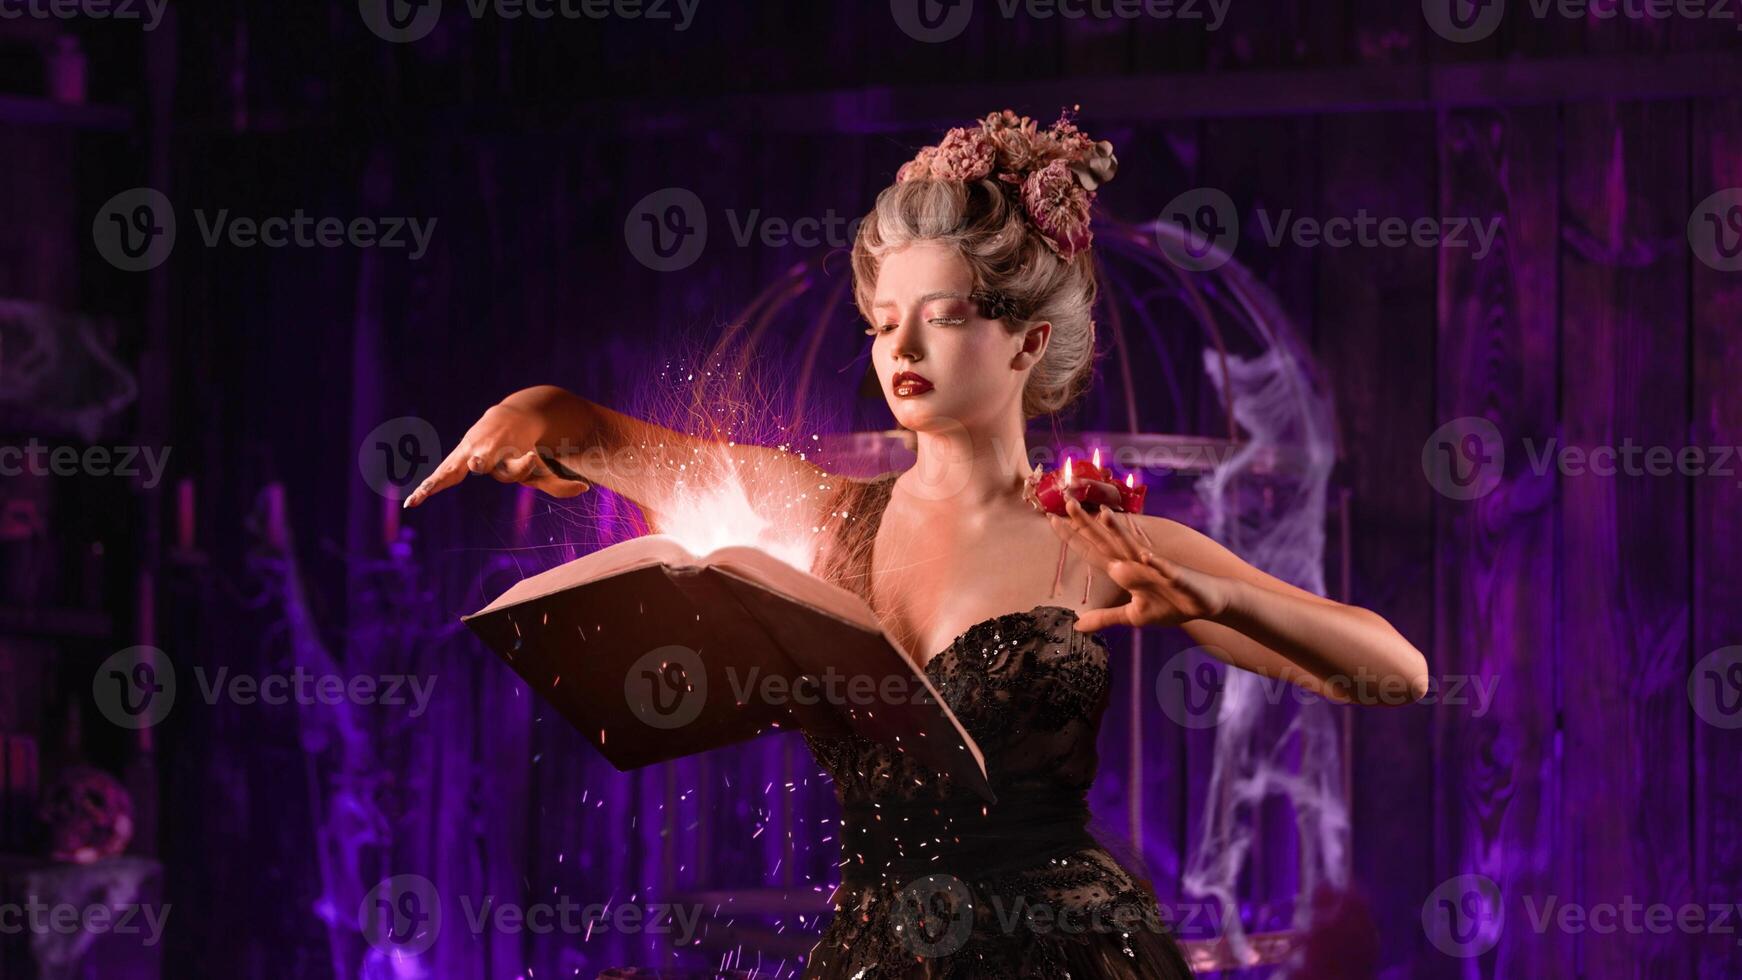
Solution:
(625, 556)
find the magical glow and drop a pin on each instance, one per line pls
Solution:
(704, 519)
(714, 488)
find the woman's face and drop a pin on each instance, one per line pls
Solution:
(939, 362)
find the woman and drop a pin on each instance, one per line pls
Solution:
(975, 275)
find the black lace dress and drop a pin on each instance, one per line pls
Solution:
(936, 883)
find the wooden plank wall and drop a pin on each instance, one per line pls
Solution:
(1496, 769)
(1716, 420)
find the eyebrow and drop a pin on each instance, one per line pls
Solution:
(928, 297)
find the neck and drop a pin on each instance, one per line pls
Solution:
(970, 467)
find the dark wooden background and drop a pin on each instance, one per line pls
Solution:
(1586, 599)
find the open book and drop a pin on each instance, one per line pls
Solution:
(654, 654)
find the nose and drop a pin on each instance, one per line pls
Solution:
(906, 346)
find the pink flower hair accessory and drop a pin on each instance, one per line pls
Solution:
(1054, 173)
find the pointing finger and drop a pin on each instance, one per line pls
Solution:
(451, 471)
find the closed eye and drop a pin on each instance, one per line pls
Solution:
(948, 321)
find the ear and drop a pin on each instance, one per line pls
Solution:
(1034, 341)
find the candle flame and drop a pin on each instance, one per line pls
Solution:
(1096, 459)
(1067, 469)
(1131, 479)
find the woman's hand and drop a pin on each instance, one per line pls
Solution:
(1163, 592)
(505, 443)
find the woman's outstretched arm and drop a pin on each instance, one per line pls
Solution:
(563, 444)
(1177, 576)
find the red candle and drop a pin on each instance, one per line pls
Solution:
(1089, 483)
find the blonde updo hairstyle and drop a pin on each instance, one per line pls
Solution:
(1021, 275)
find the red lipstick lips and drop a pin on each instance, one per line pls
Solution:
(907, 384)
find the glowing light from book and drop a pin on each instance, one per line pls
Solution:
(725, 401)
(705, 519)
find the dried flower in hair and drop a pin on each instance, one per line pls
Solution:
(1016, 138)
(1055, 173)
(963, 155)
(1068, 141)
(1059, 207)
(919, 168)
(1097, 166)
(1093, 162)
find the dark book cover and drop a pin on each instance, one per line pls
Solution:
(656, 654)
